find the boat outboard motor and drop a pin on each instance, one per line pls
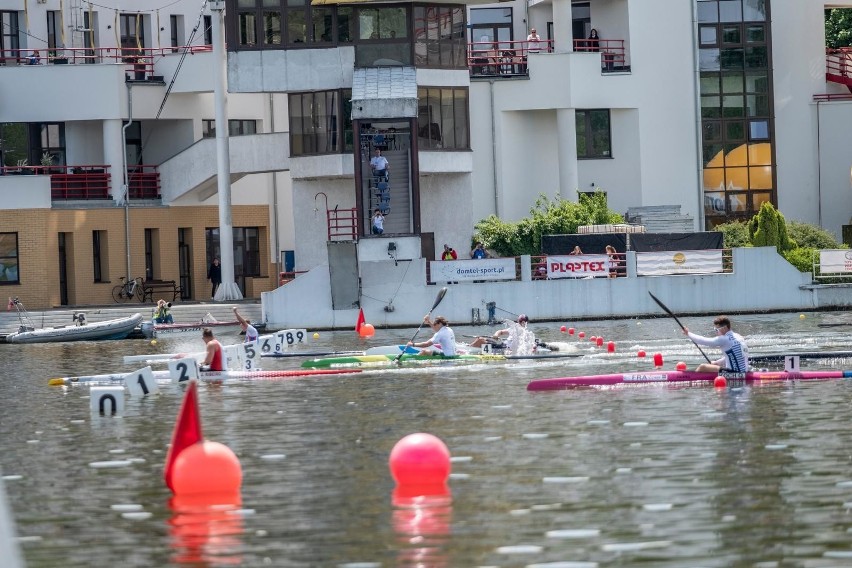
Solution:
(80, 318)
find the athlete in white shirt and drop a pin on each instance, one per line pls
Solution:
(444, 340)
(251, 331)
(732, 345)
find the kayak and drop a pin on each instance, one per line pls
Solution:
(213, 376)
(773, 357)
(648, 377)
(417, 358)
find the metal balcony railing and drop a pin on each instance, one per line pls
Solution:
(509, 58)
(91, 181)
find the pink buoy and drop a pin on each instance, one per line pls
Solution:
(581, 335)
(610, 347)
(593, 339)
(658, 359)
(681, 366)
(720, 382)
(599, 341)
(641, 354)
(563, 329)
(421, 460)
(570, 331)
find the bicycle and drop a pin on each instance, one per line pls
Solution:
(125, 291)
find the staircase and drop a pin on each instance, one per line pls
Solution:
(395, 201)
(838, 66)
(182, 313)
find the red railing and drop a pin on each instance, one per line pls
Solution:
(838, 65)
(342, 224)
(139, 62)
(509, 58)
(143, 182)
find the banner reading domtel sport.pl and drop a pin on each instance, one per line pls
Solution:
(482, 269)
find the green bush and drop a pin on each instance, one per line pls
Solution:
(812, 236)
(734, 234)
(802, 258)
(547, 217)
(769, 228)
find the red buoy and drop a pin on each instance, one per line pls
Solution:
(720, 382)
(641, 353)
(610, 347)
(593, 339)
(570, 331)
(581, 335)
(599, 341)
(658, 359)
(563, 329)
(681, 366)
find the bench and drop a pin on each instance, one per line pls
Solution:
(150, 288)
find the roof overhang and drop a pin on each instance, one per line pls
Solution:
(384, 92)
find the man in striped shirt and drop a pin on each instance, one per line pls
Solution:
(732, 344)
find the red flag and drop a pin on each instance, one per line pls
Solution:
(361, 320)
(187, 429)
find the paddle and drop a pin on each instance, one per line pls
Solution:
(668, 311)
(441, 294)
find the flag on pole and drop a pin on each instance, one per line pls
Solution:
(360, 320)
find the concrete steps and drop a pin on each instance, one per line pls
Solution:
(182, 313)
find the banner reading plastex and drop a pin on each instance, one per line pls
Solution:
(581, 266)
(482, 269)
(834, 261)
(678, 262)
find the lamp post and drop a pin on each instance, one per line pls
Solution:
(228, 289)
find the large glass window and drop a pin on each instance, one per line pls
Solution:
(736, 108)
(442, 120)
(9, 273)
(439, 39)
(100, 250)
(247, 251)
(593, 134)
(236, 127)
(320, 122)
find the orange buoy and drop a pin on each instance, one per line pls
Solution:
(720, 382)
(610, 347)
(206, 467)
(658, 359)
(681, 366)
(367, 331)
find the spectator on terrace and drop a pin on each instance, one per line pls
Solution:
(478, 252)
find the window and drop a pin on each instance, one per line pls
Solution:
(208, 30)
(100, 250)
(247, 253)
(9, 273)
(47, 138)
(9, 34)
(442, 120)
(236, 127)
(593, 134)
(320, 122)
(152, 245)
(175, 31)
(439, 37)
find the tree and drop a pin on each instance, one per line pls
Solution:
(838, 27)
(769, 228)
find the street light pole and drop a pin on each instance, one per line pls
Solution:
(228, 289)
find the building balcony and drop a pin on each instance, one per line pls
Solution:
(88, 182)
(838, 66)
(510, 58)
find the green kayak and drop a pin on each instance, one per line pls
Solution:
(357, 360)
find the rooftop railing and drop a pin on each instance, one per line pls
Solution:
(509, 58)
(838, 65)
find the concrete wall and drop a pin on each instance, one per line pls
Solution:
(280, 71)
(835, 165)
(24, 192)
(762, 280)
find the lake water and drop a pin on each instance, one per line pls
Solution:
(656, 475)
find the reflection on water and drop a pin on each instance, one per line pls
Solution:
(655, 474)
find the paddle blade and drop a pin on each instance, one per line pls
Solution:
(439, 297)
(187, 429)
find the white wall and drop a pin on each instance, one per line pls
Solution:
(446, 210)
(835, 175)
(309, 214)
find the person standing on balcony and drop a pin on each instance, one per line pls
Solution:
(378, 222)
(613, 261)
(214, 275)
(533, 42)
(478, 252)
(449, 253)
(379, 165)
(593, 43)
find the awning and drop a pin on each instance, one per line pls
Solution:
(384, 92)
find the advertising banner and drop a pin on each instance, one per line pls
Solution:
(465, 270)
(580, 266)
(834, 261)
(678, 262)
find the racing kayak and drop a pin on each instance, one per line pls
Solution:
(647, 377)
(417, 358)
(214, 376)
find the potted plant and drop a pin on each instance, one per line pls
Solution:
(23, 167)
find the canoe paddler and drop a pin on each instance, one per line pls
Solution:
(248, 328)
(443, 342)
(213, 361)
(732, 345)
